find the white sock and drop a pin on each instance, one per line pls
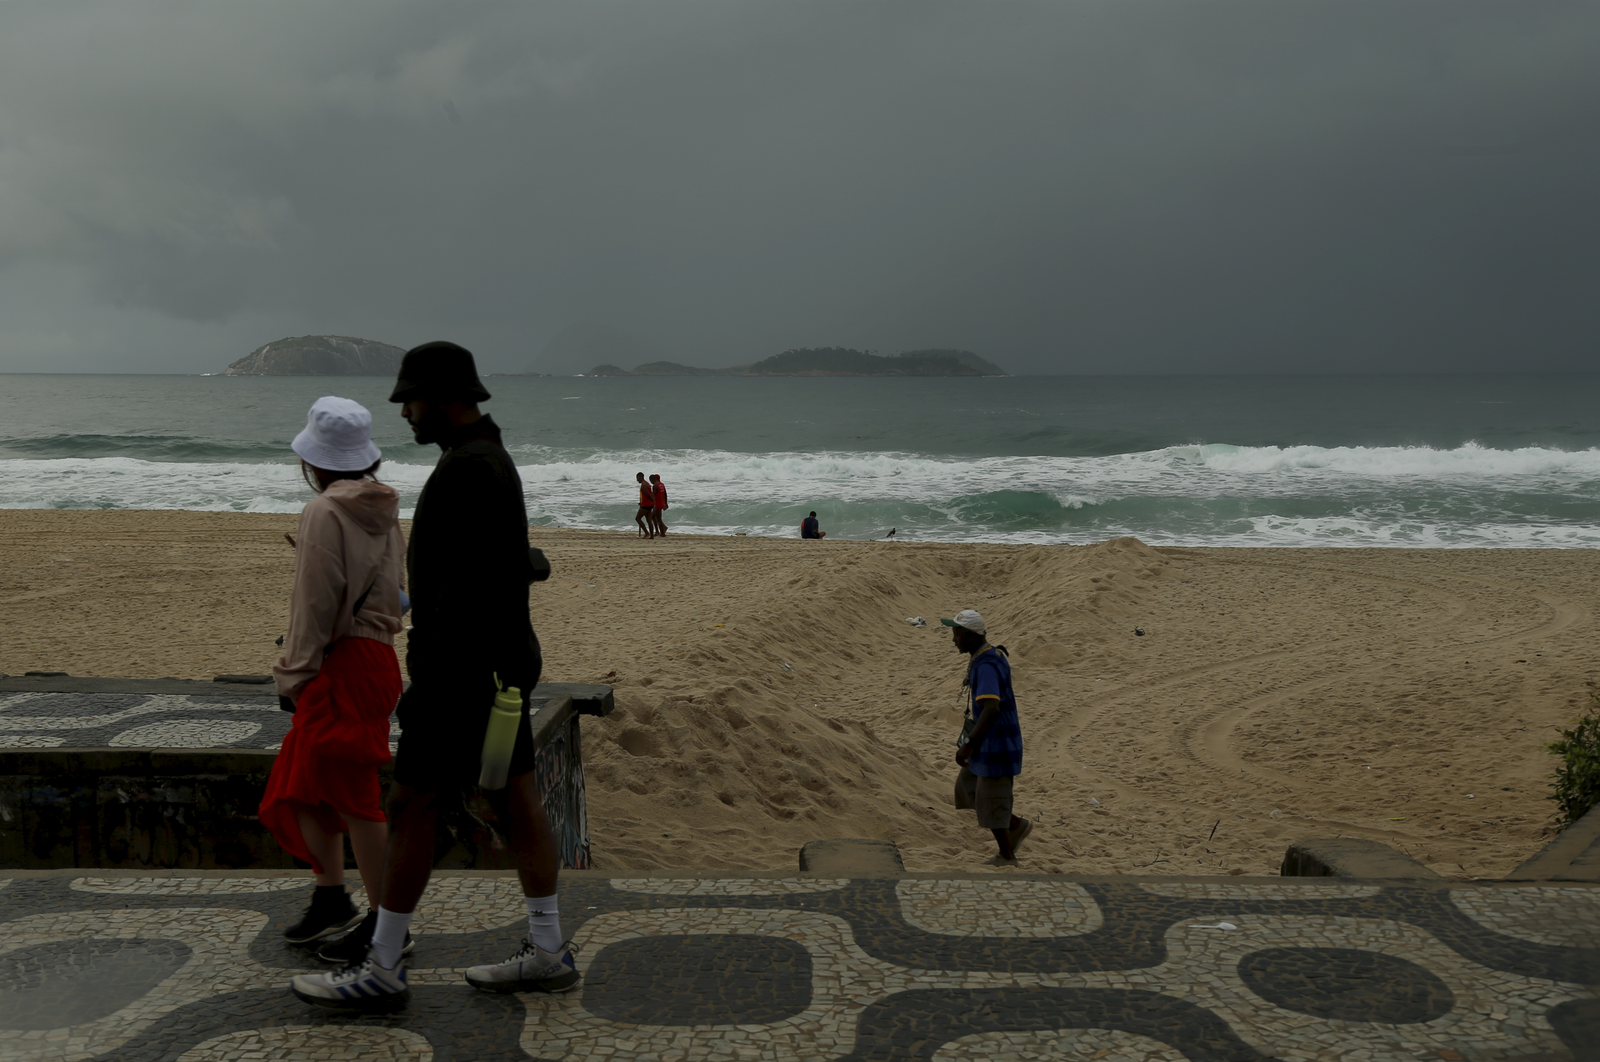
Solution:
(544, 923)
(390, 937)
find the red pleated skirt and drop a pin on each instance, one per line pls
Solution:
(328, 765)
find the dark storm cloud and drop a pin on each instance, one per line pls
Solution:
(1107, 186)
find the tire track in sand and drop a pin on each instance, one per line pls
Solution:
(1206, 740)
(1210, 743)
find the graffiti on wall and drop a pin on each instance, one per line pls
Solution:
(558, 771)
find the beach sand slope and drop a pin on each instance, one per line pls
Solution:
(771, 692)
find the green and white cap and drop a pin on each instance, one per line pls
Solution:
(968, 618)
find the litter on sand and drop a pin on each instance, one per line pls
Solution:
(916, 621)
(1093, 801)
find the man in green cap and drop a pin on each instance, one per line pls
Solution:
(469, 573)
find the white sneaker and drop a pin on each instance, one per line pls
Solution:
(531, 969)
(364, 986)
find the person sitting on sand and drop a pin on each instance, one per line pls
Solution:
(338, 673)
(990, 752)
(658, 492)
(645, 517)
(808, 527)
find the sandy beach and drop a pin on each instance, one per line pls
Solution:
(770, 692)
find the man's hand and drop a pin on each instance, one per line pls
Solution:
(964, 755)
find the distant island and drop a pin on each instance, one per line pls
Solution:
(319, 356)
(349, 356)
(829, 361)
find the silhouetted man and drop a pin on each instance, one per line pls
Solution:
(469, 573)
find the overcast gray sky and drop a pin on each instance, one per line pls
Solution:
(1071, 186)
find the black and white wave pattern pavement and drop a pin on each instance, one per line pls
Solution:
(220, 720)
(1001, 968)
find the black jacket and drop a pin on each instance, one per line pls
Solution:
(468, 570)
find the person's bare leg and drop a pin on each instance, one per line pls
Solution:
(532, 841)
(327, 849)
(369, 840)
(544, 962)
(408, 861)
(1003, 838)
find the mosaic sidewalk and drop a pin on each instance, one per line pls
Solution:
(191, 968)
(165, 713)
(216, 718)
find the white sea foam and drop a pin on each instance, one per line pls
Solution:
(1213, 494)
(1388, 462)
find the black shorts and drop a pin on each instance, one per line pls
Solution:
(441, 737)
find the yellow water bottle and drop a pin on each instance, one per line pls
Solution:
(501, 736)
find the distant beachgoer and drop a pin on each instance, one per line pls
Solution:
(645, 517)
(658, 492)
(338, 673)
(990, 752)
(808, 527)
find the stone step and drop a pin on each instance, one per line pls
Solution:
(1574, 855)
(1350, 857)
(851, 857)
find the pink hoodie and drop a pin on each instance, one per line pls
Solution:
(349, 539)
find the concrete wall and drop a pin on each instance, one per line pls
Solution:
(133, 808)
(196, 808)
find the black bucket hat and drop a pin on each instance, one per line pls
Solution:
(441, 371)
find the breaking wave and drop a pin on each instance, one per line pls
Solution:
(1216, 494)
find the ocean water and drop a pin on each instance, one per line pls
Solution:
(1455, 461)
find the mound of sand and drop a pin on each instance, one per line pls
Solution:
(814, 710)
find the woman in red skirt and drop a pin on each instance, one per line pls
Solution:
(338, 672)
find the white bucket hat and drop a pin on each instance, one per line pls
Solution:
(337, 436)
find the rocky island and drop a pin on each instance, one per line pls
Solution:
(830, 361)
(319, 356)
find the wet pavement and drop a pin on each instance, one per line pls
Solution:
(191, 967)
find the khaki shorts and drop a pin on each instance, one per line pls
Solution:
(989, 797)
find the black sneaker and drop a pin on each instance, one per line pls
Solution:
(351, 948)
(328, 914)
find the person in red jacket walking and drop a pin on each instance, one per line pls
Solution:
(658, 491)
(338, 673)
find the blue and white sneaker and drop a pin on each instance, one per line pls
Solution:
(364, 986)
(531, 969)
